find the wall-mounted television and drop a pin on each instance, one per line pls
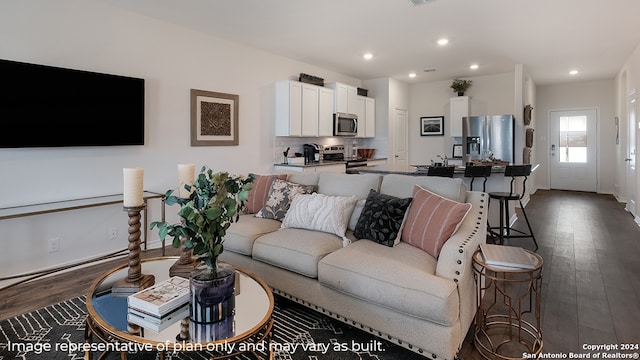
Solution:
(46, 106)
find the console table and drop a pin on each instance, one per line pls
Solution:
(74, 204)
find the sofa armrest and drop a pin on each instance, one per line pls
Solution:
(454, 262)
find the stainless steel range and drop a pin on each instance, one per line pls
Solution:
(333, 152)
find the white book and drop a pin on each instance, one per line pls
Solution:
(155, 319)
(156, 324)
(161, 298)
(510, 257)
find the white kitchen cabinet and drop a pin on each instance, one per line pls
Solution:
(303, 109)
(366, 117)
(325, 111)
(459, 108)
(346, 98)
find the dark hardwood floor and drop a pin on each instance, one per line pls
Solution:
(591, 282)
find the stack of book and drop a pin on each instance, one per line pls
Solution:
(506, 257)
(161, 305)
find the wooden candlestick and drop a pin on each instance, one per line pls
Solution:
(135, 280)
(184, 265)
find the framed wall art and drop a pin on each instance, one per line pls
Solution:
(214, 118)
(432, 126)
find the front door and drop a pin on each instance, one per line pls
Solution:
(573, 142)
(400, 137)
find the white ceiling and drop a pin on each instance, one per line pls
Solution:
(550, 37)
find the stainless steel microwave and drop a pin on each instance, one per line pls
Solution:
(345, 124)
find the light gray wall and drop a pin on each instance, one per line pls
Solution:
(592, 94)
(91, 35)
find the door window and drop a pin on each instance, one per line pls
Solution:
(573, 139)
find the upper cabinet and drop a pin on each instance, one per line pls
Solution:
(348, 101)
(459, 108)
(303, 109)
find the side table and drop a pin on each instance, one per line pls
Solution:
(508, 316)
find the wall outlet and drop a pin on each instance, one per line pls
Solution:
(113, 233)
(53, 245)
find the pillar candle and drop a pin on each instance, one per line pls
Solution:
(133, 186)
(185, 176)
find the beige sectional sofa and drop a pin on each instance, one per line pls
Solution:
(400, 293)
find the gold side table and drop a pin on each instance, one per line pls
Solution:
(508, 315)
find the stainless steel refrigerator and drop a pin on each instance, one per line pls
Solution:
(491, 136)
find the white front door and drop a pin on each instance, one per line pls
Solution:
(400, 137)
(632, 185)
(573, 141)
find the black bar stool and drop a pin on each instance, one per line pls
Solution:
(505, 229)
(443, 171)
(474, 172)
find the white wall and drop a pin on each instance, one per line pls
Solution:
(575, 95)
(489, 95)
(91, 35)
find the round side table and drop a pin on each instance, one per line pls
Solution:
(508, 314)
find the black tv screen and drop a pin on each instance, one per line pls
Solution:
(45, 106)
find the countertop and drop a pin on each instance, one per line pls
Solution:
(327, 162)
(419, 170)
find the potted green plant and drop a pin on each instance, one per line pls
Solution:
(214, 203)
(460, 86)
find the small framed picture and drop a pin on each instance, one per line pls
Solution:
(214, 118)
(432, 126)
(457, 151)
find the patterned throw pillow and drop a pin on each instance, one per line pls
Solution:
(432, 220)
(381, 219)
(280, 197)
(259, 192)
(320, 212)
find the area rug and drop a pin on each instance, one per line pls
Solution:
(308, 335)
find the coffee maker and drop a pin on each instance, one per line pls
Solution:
(311, 153)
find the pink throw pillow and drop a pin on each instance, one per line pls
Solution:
(260, 191)
(432, 220)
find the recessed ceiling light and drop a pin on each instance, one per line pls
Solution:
(412, 75)
(419, 2)
(474, 66)
(443, 41)
(573, 72)
(368, 56)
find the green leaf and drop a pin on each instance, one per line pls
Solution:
(243, 195)
(176, 242)
(214, 213)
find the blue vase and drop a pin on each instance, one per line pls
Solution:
(213, 296)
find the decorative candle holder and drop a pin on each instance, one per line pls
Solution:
(184, 265)
(135, 280)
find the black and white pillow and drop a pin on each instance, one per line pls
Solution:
(382, 218)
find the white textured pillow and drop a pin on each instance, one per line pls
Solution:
(320, 212)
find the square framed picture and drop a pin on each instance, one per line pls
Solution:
(214, 118)
(432, 126)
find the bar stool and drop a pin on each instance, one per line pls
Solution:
(474, 172)
(443, 171)
(505, 229)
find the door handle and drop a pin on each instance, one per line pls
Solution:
(627, 159)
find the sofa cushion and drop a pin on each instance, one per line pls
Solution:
(432, 220)
(280, 197)
(296, 250)
(320, 212)
(382, 218)
(348, 184)
(241, 235)
(258, 194)
(401, 278)
(402, 186)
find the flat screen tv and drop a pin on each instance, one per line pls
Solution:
(45, 106)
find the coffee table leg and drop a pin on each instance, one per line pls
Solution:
(88, 338)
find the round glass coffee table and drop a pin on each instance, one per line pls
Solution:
(248, 331)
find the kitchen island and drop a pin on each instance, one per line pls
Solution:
(497, 182)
